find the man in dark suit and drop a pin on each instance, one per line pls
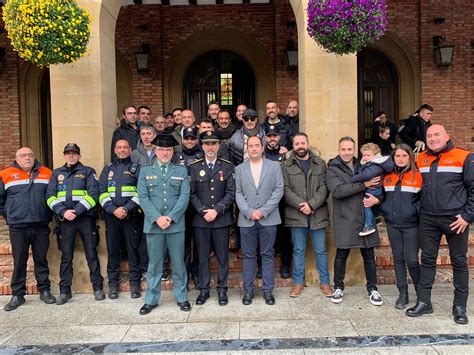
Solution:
(259, 189)
(212, 196)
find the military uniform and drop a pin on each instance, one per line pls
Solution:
(164, 195)
(212, 189)
(118, 188)
(75, 188)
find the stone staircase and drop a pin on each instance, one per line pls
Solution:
(383, 256)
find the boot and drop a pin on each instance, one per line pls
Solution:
(402, 300)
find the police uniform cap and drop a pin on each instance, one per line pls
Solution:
(72, 147)
(272, 129)
(209, 136)
(190, 132)
(250, 112)
(165, 141)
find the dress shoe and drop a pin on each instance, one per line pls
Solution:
(99, 295)
(113, 293)
(259, 274)
(269, 299)
(202, 298)
(419, 309)
(459, 313)
(47, 297)
(327, 290)
(63, 298)
(135, 292)
(15, 302)
(195, 279)
(296, 290)
(285, 274)
(223, 300)
(248, 297)
(147, 308)
(184, 306)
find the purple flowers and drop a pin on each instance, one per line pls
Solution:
(346, 26)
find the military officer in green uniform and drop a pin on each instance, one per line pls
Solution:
(163, 191)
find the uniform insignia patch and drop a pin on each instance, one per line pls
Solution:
(16, 176)
(60, 177)
(82, 176)
(177, 178)
(111, 173)
(202, 173)
(425, 161)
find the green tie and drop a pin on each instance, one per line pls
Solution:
(163, 169)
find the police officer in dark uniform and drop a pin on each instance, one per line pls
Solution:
(272, 152)
(212, 196)
(123, 218)
(72, 194)
(191, 151)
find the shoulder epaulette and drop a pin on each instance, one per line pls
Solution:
(227, 161)
(196, 161)
(108, 165)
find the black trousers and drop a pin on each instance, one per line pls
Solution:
(130, 230)
(405, 247)
(21, 239)
(204, 238)
(431, 230)
(369, 268)
(86, 227)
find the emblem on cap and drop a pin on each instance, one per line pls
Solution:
(209, 133)
(190, 129)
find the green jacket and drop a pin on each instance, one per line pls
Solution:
(311, 189)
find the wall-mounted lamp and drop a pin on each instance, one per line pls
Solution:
(3, 53)
(443, 53)
(143, 58)
(291, 55)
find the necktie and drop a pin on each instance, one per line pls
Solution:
(210, 165)
(163, 169)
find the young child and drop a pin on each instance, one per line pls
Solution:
(372, 164)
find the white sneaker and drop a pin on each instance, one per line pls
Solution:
(337, 296)
(375, 298)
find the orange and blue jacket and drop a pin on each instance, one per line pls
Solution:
(23, 195)
(448, 182)
(401, 204)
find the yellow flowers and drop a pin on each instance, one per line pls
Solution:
(47, 31)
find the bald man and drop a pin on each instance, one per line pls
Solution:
(447, 207)
(23, 204)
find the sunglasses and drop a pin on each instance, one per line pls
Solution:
(246, 119)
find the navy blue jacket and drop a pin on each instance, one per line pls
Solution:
(378, 166)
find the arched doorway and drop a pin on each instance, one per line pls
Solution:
(377, 90)
(220, 76)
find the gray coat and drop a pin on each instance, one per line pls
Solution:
(348, 209)
(265, 196)
(140, 156)
(300, 188)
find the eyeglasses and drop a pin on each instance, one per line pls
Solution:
(246, 119)
(130, 113)
(26, 155)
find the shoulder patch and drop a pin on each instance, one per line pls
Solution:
(196, 161)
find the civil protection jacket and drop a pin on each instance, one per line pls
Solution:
(163, 196)
(300, 188)
(401, 204)
(73, 188)
(118, 186)
(448, 182)
(23, 196)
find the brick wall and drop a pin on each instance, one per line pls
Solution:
(9, 102)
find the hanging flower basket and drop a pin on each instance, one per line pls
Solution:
(346, 26)
(47, 31)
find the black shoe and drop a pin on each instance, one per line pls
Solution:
(419, 309)
(113, 293)
(14, 303)
(259, 274)
(184, 306)
(223, 300)
(195, 279)
(269, 299)
(147, 308)
(402, 300)
(202, 298)
(285, 274)
(248, 297)
(165, 276)
(459, 313)
(135, 292)
(99, 295)
(47, 297)
(63, 298)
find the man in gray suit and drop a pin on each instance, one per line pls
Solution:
(259, 188)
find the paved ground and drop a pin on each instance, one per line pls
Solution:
(308, 324)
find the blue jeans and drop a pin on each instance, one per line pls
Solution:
(318, 239)
(368, 214)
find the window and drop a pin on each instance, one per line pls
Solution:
(226, 89)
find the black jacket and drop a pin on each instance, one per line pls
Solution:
(118, 186)
(284, 126)
(23, 196)
(73, 188)
(127, 132)
(414, 130)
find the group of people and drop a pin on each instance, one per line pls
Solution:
(174, 189)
